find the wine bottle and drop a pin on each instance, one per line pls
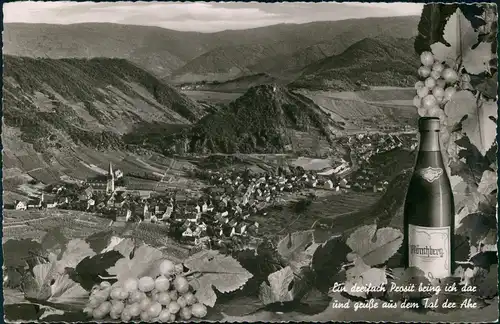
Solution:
(429, 210)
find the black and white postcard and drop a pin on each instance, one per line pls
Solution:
(249, 162)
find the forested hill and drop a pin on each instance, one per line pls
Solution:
(62, 102)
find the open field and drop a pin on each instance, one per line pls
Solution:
(326, 207)
(312, 164)
(33, 224)
(358, 114)
(383, 95)
(212, 97)
(387, 94)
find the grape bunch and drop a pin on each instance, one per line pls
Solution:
(149, 299)
(437, 86)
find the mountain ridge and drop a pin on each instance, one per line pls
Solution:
(223, 63)
(161, 50)
(65, 102)
(380, 61)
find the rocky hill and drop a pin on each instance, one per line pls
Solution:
(267, 118)
(61, 103)
(380, 61)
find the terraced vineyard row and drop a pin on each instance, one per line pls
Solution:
(331, 206)
(21, 232)
(35, 223)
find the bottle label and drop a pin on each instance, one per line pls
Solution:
(430, 174)
(429, 250)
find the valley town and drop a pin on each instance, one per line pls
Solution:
(222, 213)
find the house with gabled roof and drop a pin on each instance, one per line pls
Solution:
(21, 205)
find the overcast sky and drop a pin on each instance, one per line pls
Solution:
(199, 16)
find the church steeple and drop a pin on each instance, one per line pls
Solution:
(110, 186)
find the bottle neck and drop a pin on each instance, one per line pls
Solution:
(429, 141)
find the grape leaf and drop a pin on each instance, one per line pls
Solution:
(489, 86)
(219, 271)
(13, 296)
(489, 242)
(68, 317)
(38, 285)
(327, 261)
(44, 287)
(314, 302)
(405, 277)
(470, 170)
(431, 25)
(362, 275)
(143, 260)
(452, 147)
(470, 206)
(462, 38)
(478, 126)
(476, 226)
(463, 182)
(50, 311)
(487, 282)
(477, 219)
(15, 301)
(462, 247)
(17, 252)
(294, 244)
(460, 188)
(461, 273)
(477, 60)
(485, 123)
(235, 306)
(54, 240)
(13, 277)
(297, 249)
(473, 158)
(488, 182)
(67, 292)
(375, 246)
(123, 245)
(75, 251)
(278, 289)
(21, 313)
(476, 202)
(16, 297)
(88, 270)
(461, 103)
(483, 259)
(474, 13)
(99, 241)
(303, 283)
